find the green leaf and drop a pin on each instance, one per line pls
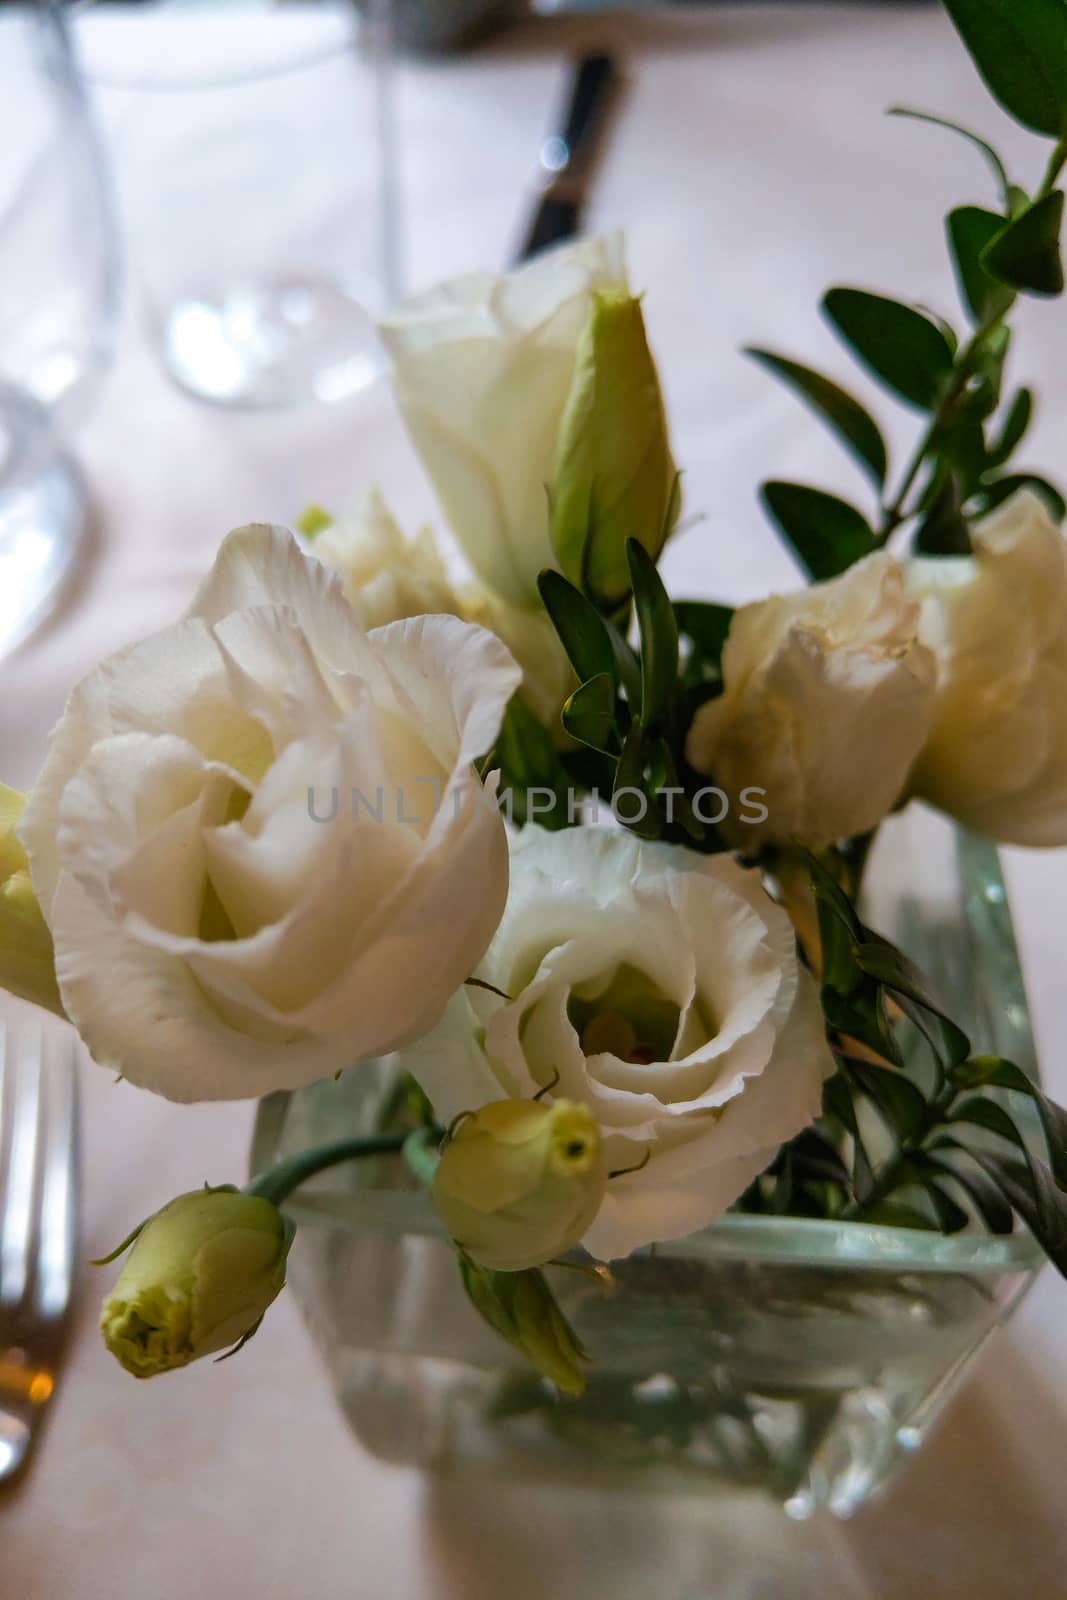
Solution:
(995, 493)
(983, 1193)
(951, 1218)
(996, 164)
(1031, 1190)
(705, 625)
(589, 714)
(1020, 49)
(659, 634)
(862, 1016)
(889, 967)
(839, 930)
(1016, 422)
(970, 230)
(900, 346)
(528, 759)
(1026, 253)
(838, 1101)
(895, 1214)
(581, 629)
(630, 774)
(995, 1072)
(901, 1103)
(826, 534)
(848, 419)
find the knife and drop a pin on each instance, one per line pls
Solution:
(569, 157)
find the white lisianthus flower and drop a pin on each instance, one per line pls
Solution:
(996, 756)
(227, 919)
(482, 369)
(660, 989)
(827, 700)
(386, 577)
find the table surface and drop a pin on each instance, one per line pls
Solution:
(751, 167)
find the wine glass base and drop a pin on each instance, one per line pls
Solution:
(263, 347)
(43, 525)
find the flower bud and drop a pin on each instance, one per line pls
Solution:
(615, 478)
(199, 1278)
(522, 1308)
(27, 958)
(519, 1182)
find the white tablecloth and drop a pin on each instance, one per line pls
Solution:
(751, 167)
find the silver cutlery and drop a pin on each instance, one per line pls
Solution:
(38, 1226)
(569, 158)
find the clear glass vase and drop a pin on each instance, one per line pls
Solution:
(801, 1359)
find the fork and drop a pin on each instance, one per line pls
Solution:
(38, 1226)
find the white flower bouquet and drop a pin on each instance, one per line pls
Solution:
(584, 859)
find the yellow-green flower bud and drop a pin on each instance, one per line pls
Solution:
(521, 1307)
(199, 1278)
(27, 958)
(615, 478)
(519, 1183)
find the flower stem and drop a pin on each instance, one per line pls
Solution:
(1057, 162)
(277, 1184)
(896, 513)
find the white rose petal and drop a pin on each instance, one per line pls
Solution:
(828, 696)
(386, 577)
(996, 756)
(214, 938)
(599, 925)
(482, 369)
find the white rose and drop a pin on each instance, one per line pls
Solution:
(827, 700)
(213, 940)
(386, 577)
(996, 757)
(662, 990)
(482, 369)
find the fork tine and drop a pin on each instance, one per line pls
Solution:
(20, 1083)
(58, 1217)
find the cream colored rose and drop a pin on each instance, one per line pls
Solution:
(386, 577)
(996, 756)
(236, 838)
(828, 697)
(658, 988)
(482, 369)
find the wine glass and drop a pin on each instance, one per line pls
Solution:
(58, 305)
(252, 150)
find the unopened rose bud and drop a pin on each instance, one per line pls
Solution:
(615, 478)
(519, 1183)
(27, 958)
(199, 1278)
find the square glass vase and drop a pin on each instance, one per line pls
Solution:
(801, 1359)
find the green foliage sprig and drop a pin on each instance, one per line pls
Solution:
(958, 469)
